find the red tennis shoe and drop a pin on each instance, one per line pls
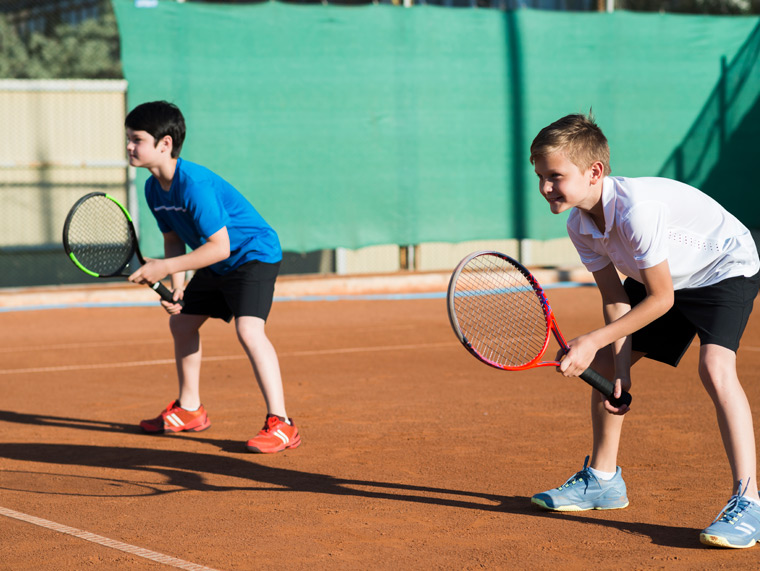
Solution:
(176, 419)
(276, 436)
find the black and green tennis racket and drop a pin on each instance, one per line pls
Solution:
(100, 239)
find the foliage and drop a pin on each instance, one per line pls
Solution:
(14, 57)
(88, 50)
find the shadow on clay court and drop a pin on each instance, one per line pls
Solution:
(184, 471)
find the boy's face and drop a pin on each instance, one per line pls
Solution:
(563, 185)
(143, 150)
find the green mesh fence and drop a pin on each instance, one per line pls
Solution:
(721, 147)
(349, 127)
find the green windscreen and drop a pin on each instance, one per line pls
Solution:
(355, 126)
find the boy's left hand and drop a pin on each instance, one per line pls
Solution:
(620, 384)
(174, 308)
(151, 272)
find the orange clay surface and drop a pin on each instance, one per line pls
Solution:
(414, 454)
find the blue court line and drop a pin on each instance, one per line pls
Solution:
(360, 297)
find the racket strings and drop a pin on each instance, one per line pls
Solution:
(99, 236)
(499, 312)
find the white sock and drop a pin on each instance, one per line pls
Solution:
(189, 409)
(602, 475)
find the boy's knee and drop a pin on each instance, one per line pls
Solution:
(714, 375)
(181, 326)
(717, 367)
(250, 329)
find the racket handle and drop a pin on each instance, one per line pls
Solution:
(165, 293)
(605, 387)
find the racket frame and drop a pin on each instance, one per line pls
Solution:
(590, 376)
(165, 293)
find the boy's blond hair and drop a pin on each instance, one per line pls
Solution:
(578, 137)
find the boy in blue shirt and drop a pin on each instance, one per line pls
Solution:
(236, 257)
(692, 269)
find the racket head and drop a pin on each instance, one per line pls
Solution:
(499, 312)
(99, 237)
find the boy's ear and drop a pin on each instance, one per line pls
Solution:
(597, 172)
(166, 143)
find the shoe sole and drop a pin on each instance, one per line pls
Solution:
(717, 541)
(200, 428)
(576, 508)
(255, 450)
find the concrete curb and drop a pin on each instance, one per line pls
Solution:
(288, 287)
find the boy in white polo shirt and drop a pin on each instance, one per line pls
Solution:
(692, 269)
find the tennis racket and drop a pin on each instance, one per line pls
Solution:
(100, 239)
(501, 315)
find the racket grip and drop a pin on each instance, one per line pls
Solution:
(165, 293)
(605, 387)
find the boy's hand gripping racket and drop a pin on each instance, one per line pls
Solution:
(501, 315)
(100, 239)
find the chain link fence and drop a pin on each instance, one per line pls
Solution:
(64, 138)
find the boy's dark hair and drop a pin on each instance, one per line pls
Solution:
(159, 118)
(578, 137)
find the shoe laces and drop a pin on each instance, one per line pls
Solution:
(172, 405)
(269, 424)
(736, 506)
(584, 476)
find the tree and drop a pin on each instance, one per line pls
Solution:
(13, 54)
(88, 50)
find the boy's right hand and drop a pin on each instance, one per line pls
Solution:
(581, 352)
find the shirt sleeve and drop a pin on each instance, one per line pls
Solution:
(646, 230)
(205, 205)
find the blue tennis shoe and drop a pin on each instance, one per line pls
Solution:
(584, 491)
(737, 526)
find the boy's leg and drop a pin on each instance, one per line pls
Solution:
(607, 428)
(717, 369)
(185, 413)
(185, 330)
(279, 432)
(249, 291)
(263, 357)
(584, 490)
(738, 524)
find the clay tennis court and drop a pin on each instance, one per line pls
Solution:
(414, 454)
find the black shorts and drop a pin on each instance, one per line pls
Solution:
(717, 313)
(247, 290)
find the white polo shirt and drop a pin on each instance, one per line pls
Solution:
(649, 220)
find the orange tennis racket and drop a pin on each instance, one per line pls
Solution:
(501, 315)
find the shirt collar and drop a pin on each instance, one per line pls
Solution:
(587, 225)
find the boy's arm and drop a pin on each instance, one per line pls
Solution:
(216, 249)
(658, 301)
(615, 304)
(174, 247)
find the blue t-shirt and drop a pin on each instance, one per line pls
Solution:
(200, 203)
